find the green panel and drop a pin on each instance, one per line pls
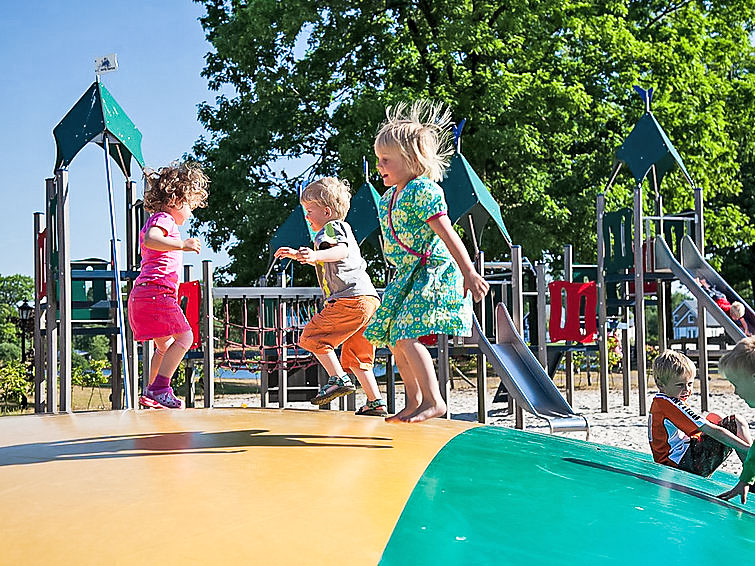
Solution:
(363, 214)
(617, 240)
(120, 125)
(466, 194)
(293, 233)
(501, 496)
(81, 125)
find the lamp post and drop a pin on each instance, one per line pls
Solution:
(25, 314)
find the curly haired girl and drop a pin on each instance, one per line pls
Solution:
(170, 194)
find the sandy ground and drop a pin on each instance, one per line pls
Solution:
(621, 426)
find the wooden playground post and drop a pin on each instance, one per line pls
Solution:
(602, 308)
(64, 282)
(39, 355)
(208, 317)
(702, 338)
(132, 244)
(516, 309)
(639, 301)
(51, 323)
(542, 346)
(569, 356)
(482, 366)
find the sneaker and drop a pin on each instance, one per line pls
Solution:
(335, 387)
(149, 403)
(376, 408)
(165, 398)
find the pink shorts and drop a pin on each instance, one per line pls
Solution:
(154, 312)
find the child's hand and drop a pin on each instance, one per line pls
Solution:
(290, 253)
(191, 245)
(740, 489)
(306, 255)
(475, 283)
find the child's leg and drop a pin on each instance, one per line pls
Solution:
(174, 353)
(412, 393)
(161, 346)
(358, 356)
(421, 362)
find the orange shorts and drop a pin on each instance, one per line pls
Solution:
(342, 323)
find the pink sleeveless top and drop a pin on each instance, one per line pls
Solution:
(160, 268)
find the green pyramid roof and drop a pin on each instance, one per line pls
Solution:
(648, 145)
(466, 194)
(95, 114)
(363, 215)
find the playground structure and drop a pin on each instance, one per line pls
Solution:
(257, 328)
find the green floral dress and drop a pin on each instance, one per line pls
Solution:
(425, 297)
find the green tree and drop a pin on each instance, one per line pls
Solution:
(13, 290)
(546, 86)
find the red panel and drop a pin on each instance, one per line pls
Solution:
(571, 329)
(190, 290)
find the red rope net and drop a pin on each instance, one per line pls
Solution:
(263, 334)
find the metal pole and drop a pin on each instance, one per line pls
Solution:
(39, 354)
(132, 243)
(64, 282)
(444, 369)
(482, 366)
(602, 308)
(516, 308)
(542, 346)
(208, 312)
(569, 356)
(702, 337)
(51, 310)
(639, 301)
(190, 394)
(117, 273)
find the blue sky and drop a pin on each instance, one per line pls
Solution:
(47, 52)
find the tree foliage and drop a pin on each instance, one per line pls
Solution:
(546, 86)
(13, 290)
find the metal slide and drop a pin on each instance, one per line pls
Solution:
(524, 377)
(693, 266)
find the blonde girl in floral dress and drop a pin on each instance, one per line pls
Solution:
(434, 274)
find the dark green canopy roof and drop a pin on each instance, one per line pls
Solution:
(363, 216)
(648, 145)
(466, 194)
(293, 233)
(94, 115)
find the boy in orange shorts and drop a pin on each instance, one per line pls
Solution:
(350, 297)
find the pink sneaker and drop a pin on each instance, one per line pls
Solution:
(149, 403)
(165, 398)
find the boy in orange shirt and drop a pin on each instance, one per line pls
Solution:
(681, 438)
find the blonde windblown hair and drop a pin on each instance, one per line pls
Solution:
(420, 134)
(331, 192)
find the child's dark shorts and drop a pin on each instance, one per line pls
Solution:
(706, 454)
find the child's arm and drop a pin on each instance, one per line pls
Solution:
(745, 479)
(726, 438)
(473, 281)
(334, 253)
(156, 239)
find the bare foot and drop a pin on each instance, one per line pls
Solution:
(402, 415)
(426, 411)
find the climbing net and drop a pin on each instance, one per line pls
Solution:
(262, 333)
